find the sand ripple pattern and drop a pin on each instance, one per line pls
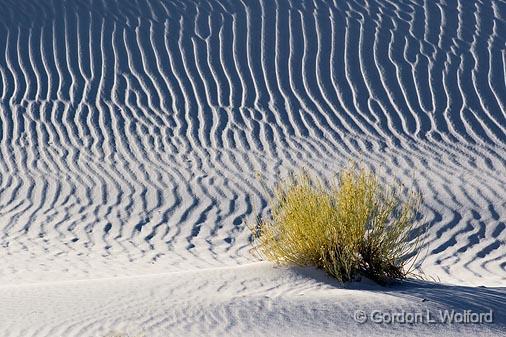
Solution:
(131, 132)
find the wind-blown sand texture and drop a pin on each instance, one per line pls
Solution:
(132, 133)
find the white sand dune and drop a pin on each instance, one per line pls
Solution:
(132, 132)
(249, 300)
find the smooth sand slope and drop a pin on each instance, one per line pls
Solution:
(132, 133)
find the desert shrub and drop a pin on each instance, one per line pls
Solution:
(350, 227)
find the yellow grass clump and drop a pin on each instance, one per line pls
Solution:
(353, 226)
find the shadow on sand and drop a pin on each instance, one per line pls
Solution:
(452, 297)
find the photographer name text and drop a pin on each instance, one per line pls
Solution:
(424, 317)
